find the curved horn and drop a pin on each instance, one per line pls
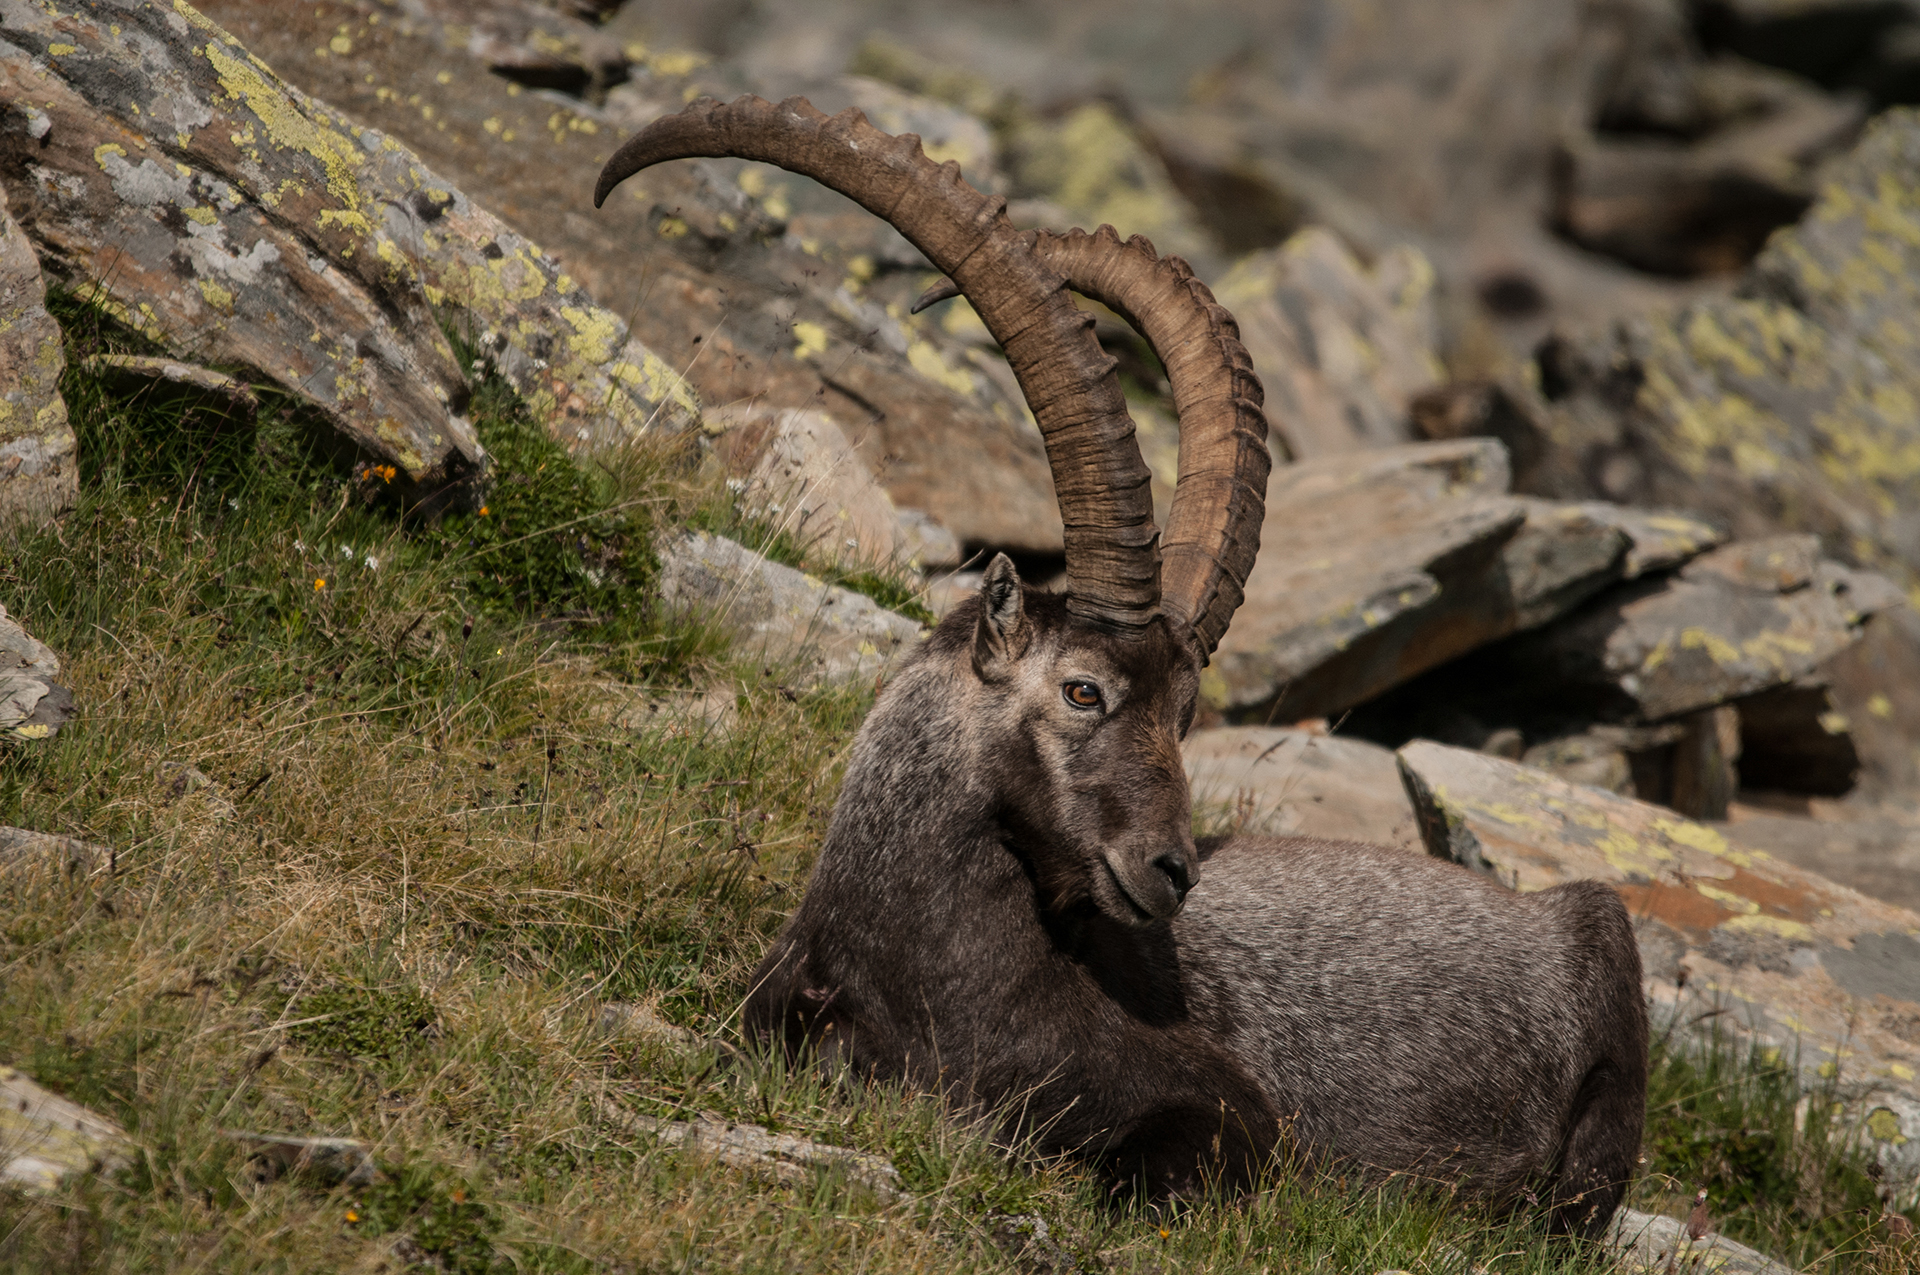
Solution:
(1213, 530)
(1113, 560)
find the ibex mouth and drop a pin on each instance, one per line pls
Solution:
(1163, 893)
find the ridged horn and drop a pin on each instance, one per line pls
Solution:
(1113, 558)
(1219, 503)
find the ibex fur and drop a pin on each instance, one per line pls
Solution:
(1010, 906)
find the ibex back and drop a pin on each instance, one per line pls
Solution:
(1010, 906)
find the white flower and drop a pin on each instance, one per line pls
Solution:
(346, 551)
(299, 546)
(233, 502)
(736, 485)
(373, 563)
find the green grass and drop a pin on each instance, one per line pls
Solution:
(433, 854)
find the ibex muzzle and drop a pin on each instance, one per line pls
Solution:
(997, 911)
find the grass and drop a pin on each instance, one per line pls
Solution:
(429, 859)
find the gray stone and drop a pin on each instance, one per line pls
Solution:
(1787, 406)
(329, 1161)
(33, 702)
(1650, 1244)
(1737, 620)
(1342, 350)
(1766, 952)
(44, 1138)
(273, 218)
(1292, 782)
(798, 471)
(1379, 565)
(174, 381)
(759, 286)
(755, 1149)
(779, 614)
(20, 848)
(39, 471)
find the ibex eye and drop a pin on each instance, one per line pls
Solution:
(1081, 694)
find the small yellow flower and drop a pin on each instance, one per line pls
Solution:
(352, 1216)
(319, 585)
(483, 511)
(386, 472)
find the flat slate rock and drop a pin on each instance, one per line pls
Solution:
(1302, 783)
(1731, 938)
(1736, 620)
(39, 468)
(33, 702)
(782, 614)
(44, 1138)
(1376, 566)
(193, 193)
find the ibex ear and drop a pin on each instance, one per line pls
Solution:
(1002, 634)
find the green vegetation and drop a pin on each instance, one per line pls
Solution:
(449, 894)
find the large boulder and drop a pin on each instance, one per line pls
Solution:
(1379, 565)
(1303, 783)
(1743, 618)
(1728, 936)
(39, 470)
(761, 287)
(1342, 350)
(1788, 406)
(169, 174)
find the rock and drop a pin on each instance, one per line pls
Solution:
(779, 613)
(44, 1138)
(1787, 406)
(700, 714)
(1858, 718)
(528, 43)
(1302, 783)
(33, 703)
(798, 471)
(782, 1156)
(204, 200)
(330, 1161)
(169, 380)
(1737, 620)
(1729, 936)
(22, 849)
(751, 294)
(1870, 847)
(39, 471)
(1379, 565)
(1342, 350)
(1670, 207)
(1650, 1244)
(1091, 163)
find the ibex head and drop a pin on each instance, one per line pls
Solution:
(1140, 614)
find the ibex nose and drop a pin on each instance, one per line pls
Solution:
(1174, 864)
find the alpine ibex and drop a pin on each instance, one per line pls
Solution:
(997, 911)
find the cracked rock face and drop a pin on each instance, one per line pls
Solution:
(170, 174)
(39, 472)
